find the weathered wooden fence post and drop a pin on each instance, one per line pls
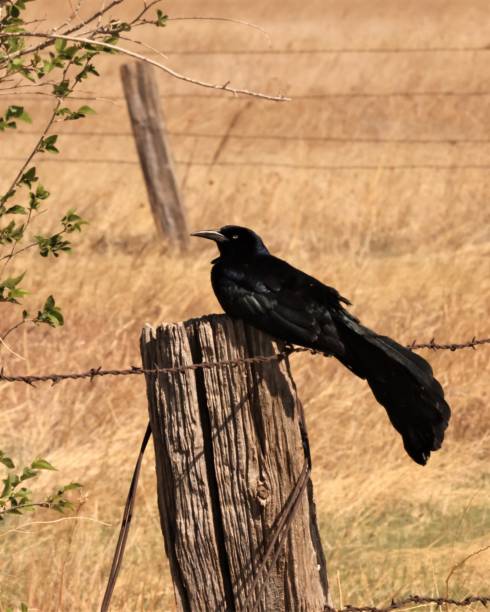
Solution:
(142, 99)
(229, 452)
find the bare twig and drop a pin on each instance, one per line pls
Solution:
(249, 24)
(14, 253)
(14, 327)
(145, 46)
(177, 75)
(460, 564)
(10, 349)
(60, 520)
(146, 7)
(72, 17)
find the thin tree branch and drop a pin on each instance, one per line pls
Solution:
(50, 122)
(146, 8)
(14, 327)
(75, 28)
(182, 77)
(11, 350)
(48, 125)
(145, 46)
(60, 520)
(73, 16)
(254, 26)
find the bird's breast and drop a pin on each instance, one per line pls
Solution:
(232, 287)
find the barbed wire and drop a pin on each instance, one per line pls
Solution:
(282, 137)
(259, 164)
(416, 600)
(454, 346)
(88, 96)
(92, 373)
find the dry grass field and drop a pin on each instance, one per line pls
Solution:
(374, 178)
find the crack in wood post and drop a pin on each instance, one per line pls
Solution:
(229, 598)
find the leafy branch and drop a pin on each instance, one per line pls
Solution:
(63, 60)
(17, 499)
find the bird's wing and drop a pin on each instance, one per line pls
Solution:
(287, 303)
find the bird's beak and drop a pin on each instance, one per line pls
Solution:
(211, 235)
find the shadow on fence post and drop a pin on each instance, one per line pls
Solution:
(229, 451)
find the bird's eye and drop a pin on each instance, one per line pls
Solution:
(235, 236)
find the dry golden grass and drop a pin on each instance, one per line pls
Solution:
(409, 247)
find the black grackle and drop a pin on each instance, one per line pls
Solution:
(290, 305)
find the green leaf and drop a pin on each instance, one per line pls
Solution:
(34, 198)
(17, 112)
(41, 193)
(72, 222)
(83, 111)
(7, 196)
(13, 281)
(47, 144)
(161, 20)
(62, 89)
(29, 177)
(111, 40)
(7, 461)
(13, 291)
(25, 117)
(60, 44)
(84, 73)
(72, 486)
(11, 233)
(50, 314)
(16, 210)
(39, 463)
(8, 484)
(52, 245)
(86, 110)
(14, 112)
(27, 473)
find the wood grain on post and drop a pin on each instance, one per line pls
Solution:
(229, 452)
(143, 102)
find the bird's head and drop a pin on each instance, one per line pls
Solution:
(235, 241)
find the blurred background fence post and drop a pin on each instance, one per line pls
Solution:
(230, 451)
(143, 102)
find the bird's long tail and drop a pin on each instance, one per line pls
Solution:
(402, 381)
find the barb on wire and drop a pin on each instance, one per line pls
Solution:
(417, 600)
(31, 379)
(473, 343)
